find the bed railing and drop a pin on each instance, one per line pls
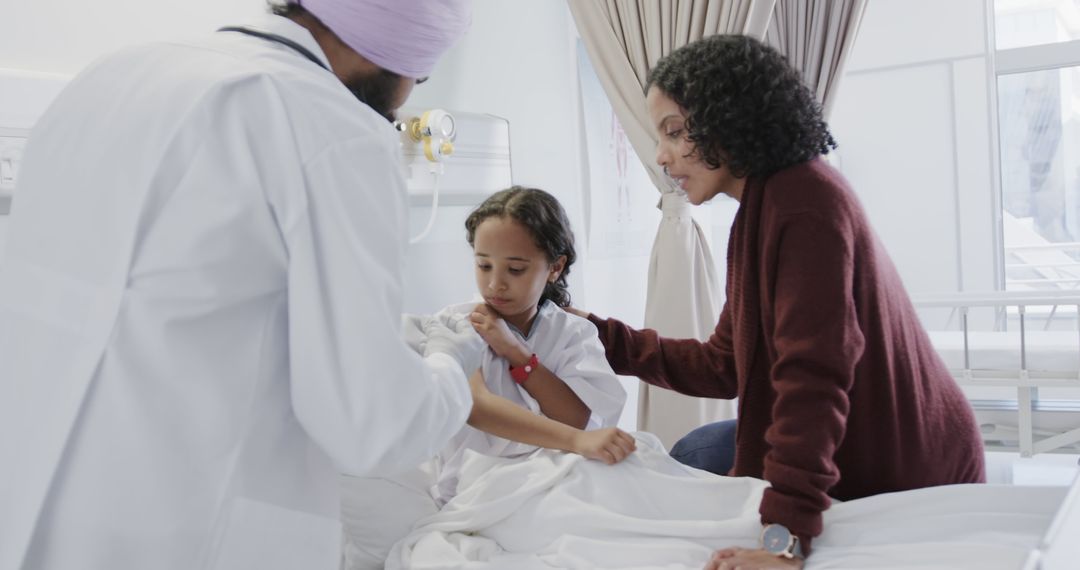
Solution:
(1040, 426)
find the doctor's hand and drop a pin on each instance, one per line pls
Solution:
(456, 339)
(497, 334)
(750, 559)
(610, 445)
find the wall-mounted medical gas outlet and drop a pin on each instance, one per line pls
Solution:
(452, 159)
(12, 143)
(470, 150)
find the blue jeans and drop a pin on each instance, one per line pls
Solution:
(710, 447)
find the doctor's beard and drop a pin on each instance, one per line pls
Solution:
(378, 90)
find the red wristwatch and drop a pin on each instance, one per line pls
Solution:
(521, 374)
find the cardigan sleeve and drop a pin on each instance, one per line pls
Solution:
(817, 342)
(688, 366)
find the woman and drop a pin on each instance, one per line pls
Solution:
(841, 394)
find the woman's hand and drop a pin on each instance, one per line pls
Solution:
(610, 445)
(494, 330)
(750, 559)
(578, 312)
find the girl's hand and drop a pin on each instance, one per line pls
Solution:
(494, 330)
(610, 445)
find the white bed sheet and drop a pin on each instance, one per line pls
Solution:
(555, 510)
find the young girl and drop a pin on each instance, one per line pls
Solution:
(545, 382)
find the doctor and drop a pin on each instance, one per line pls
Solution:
(200, 303)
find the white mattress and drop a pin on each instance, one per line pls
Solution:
(1047, 351)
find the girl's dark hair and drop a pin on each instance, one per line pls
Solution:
(745, 106)
(546, 221)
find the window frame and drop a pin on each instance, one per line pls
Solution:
(1013, 61)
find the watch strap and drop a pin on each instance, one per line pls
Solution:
(521, 373)
(793, 548)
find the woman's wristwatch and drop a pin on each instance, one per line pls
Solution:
(777, 539)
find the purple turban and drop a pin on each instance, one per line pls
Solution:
(403, 36)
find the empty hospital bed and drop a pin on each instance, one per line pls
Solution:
(1017, 357)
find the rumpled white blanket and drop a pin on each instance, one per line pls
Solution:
(557, 510)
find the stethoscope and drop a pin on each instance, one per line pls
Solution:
(280, 40)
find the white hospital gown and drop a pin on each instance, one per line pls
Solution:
(376, 512)
(569, 347)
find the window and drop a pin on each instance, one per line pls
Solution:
(1023, 23)
(1037, 68)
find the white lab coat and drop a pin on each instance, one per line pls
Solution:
(199, 315)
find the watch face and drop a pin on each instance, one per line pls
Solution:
(775, 538)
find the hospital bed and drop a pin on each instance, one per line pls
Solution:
(649, 512)
(1017, 357)
(1059, 547)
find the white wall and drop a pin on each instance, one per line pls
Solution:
(912, 120)
(62, 36)
(903, 167)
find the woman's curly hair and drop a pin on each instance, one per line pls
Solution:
(746, 107)
(545, 219)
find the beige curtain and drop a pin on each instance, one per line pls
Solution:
(816, 36)
(624, 39)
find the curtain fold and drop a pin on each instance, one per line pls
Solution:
(624, 39)
(816, 36)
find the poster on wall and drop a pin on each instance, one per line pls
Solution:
(621, 201)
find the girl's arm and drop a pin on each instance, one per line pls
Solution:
(501, 417)
(557, 401)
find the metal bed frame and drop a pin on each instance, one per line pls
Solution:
(1064, 436)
